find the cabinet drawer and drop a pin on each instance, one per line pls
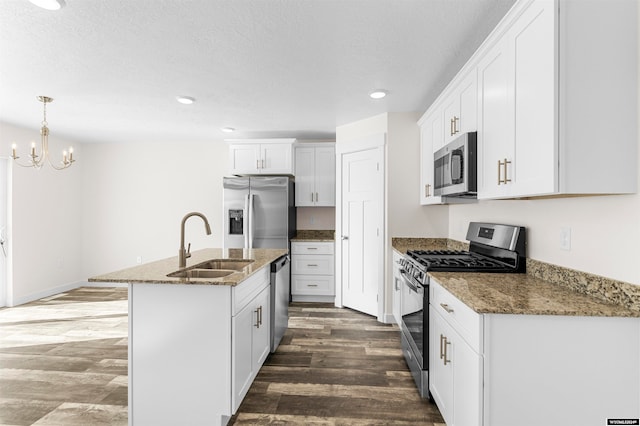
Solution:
(312, 265)
(249, 288)
(312, 248)
(462, 318)
(321, 285)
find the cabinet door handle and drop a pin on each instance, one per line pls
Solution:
(500, 165)
(258, 312)
(447, 308)
(446, 361)
(257, 164)
(506, 179)
(427, 190)
(451, 127)
(316, 197)
(442, 339)
(455, 125)
(312, 197)
(312, 285)
(312, 248)
(312, 264)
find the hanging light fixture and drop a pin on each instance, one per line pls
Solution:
(36, 160)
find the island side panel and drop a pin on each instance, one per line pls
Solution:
(560, 370)
(179, 354)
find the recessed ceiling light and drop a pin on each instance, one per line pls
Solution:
(49, 4)
(187, 100)
(378, 94)
(228, 129)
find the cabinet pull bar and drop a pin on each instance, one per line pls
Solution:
(312, 197)
(446, 342)
(451, 127)
(312, 264)
(257, 311)
(442, 338)
(455, 125)
(312, 285)
(312, 248)
(316, 197)
(263, 163)
(427, 192)
(505, 171)
(499, 166)
(447, 308)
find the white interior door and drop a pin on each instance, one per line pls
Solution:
(362, 225)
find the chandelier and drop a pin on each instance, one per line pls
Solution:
(36, 160)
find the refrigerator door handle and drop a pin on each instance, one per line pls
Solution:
(251, 221)
(247, 219)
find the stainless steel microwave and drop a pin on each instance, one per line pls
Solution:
(456, 167)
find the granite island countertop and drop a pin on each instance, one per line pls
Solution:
(156, 272)
(518, 294)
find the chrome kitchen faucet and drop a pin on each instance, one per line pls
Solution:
(182, 253)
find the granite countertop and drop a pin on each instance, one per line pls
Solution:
(156, 272)
(524, 294)
(488, 293)
(314, 235)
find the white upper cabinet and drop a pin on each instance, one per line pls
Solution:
(315, 174)
(430, 136)
(461, 108)
(261, 156)
(517, 145)
(554, 95)
(454, 113)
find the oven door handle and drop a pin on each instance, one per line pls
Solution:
(407, 281)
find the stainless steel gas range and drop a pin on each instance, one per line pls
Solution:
(492, 248)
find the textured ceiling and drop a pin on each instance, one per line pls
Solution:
(269, 68)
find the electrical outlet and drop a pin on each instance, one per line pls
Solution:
(139, 259)
(565, 238)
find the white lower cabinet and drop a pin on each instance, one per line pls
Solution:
(531, 370)
(250, 327)
(455, 367)
(397, 288)
(312, 271)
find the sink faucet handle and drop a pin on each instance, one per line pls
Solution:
(188, 253)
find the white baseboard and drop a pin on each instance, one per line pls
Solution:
(101, 284)
(57, 290)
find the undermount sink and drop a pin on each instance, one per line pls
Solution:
(200, 273)
(212, 268)
(232, 264)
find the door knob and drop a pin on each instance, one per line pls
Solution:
(345, 237)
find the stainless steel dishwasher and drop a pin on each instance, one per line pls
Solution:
(279, 299)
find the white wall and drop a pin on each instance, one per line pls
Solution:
(605, 230)
(45, 220)
(320, 218)
(135, 196)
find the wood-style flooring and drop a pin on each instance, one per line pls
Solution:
(63, 361)
(336, 367)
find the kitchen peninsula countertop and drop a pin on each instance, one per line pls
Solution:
(519, 294)
(156, 272)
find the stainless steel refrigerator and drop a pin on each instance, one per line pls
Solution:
(259, 212)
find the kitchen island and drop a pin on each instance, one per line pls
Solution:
(195, 344)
